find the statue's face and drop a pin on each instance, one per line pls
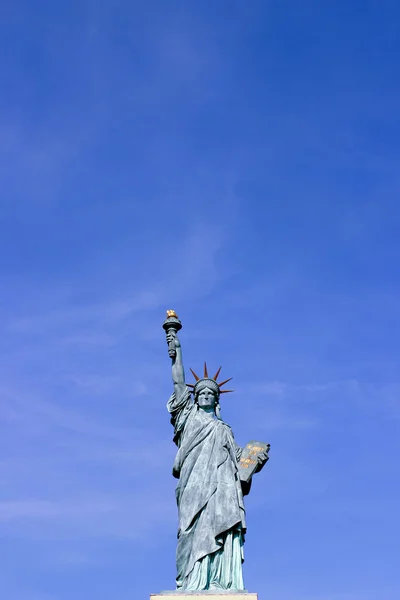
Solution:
(206, 399)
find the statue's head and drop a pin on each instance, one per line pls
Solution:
(207, 391)
(207, 399)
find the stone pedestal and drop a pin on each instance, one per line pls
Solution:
(204, 596)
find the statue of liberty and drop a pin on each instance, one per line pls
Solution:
(209, 466)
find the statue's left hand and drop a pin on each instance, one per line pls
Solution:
(262, 459)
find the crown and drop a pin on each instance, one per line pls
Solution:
(210, 382)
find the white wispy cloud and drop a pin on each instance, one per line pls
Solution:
(50, 476)
(131, 516)
(188, 271)
(365, 395)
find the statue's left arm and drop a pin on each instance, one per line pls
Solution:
(262, 458)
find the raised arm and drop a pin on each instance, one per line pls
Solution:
(178, 373)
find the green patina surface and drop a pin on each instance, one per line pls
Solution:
(211, 481)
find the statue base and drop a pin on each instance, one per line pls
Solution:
(206, 595)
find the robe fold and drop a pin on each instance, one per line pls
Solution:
(209, 497)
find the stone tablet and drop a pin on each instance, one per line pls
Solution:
(248, 461)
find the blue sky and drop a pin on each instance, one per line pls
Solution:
(238, 162)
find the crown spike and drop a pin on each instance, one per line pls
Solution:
(224, 382)
(226, 391)
(205, 371)
(191, 385)
(194, 375)
(217, 373)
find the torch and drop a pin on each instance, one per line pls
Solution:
(172, 324)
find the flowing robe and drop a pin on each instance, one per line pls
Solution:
(210, 499)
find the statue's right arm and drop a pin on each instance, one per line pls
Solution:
(178, 373)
